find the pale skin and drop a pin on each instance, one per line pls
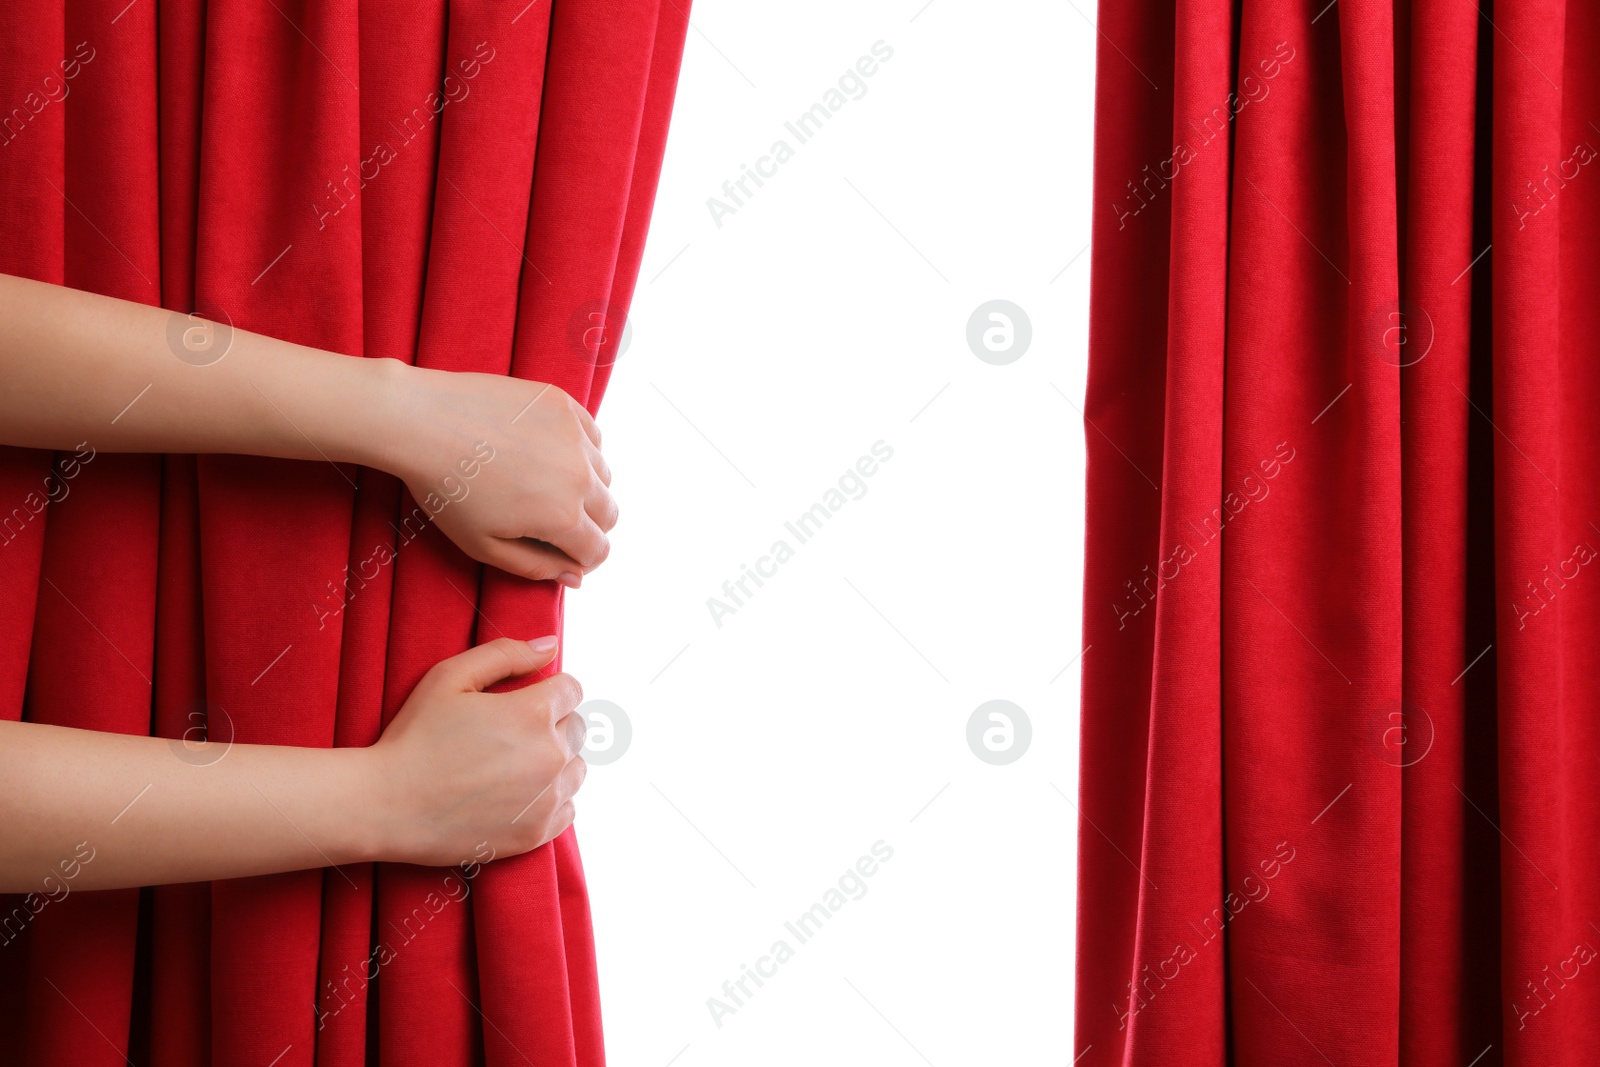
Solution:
(460, 771)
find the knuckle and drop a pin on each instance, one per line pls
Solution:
(560, 694)
(543, 707)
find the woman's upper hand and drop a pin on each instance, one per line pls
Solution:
(509, 469)
(459, 767)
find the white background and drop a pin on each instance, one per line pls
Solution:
(830, 710)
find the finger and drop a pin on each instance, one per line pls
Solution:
(575, 730)
(561, 820)
(586, 543)
(478, 668)
(537, 560)
(579, 537)
(602, 469)
(601, 506)
(570, 780)
(587, 421)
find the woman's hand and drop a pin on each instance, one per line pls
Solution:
(509, 469)
(456, 769)
(458, 766)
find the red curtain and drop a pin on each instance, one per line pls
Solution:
(465, 185)
(1339, 734)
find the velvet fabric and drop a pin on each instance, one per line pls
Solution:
(464, 185)
(1339, 725)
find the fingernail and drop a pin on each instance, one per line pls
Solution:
(542, 644)
(568, 579)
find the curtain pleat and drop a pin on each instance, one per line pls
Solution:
(461, 185)
(1449, 909)
(29, 245)
(94, 627)
(1185, 704)
(1543, 502)
(1337, 733)
(180, 1023)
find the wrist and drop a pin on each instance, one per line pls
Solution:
(406, 424)
(372, 825)
(381, 405)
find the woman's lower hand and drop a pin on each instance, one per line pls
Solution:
(460, 775)
(509, 469)
(459, 767)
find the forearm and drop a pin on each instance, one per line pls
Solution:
(124, 377)
(113, 810)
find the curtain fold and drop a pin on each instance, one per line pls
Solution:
(463, 185)
(1337, 734)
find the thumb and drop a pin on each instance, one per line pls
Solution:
(527, 558)
(479, 668)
